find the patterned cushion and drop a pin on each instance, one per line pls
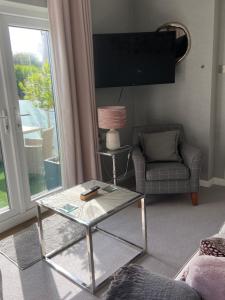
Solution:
(214, 246)
(167, 186)
(167, 171)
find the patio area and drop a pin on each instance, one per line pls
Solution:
(37, 185)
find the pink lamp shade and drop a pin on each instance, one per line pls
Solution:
(111, 117)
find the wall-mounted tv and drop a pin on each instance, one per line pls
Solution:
(126, 59)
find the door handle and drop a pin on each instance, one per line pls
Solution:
(4, 118)
(24, 115)
(18, 118)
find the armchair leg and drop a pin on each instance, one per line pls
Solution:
(194, 198)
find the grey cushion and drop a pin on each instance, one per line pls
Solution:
(167, 171)
(161, 146)
(156, 128)
(134, 283)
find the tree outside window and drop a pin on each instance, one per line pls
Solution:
(34, 82)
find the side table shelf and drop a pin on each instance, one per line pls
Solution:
(113, 154)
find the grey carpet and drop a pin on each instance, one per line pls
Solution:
(23, 248)
(175, 228)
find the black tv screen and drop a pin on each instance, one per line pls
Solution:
(126, 59)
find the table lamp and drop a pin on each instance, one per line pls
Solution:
(112, 118)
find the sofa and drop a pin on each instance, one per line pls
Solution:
(201, 278)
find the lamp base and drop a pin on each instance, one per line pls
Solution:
(112, 139)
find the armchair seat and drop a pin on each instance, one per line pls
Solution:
(167, 171)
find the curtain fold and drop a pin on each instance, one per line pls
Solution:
(71, 34)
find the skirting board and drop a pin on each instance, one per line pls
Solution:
(212, 181)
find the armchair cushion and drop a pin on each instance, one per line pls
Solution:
(167, 171)
(161, 146)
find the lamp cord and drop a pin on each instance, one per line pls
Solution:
(128, 160)
(122, 175)
(121, 93)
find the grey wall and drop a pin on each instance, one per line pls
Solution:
(188, 101)
(216, 46)
(109, 16)
(220, 101)
(112, 15)
(197, 99)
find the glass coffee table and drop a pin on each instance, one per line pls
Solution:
(109, 200)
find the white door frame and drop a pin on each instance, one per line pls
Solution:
(12, 14)
(7, 150)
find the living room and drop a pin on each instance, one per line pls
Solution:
(175, 227)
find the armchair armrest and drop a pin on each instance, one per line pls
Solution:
(139, 167)
(192, 158)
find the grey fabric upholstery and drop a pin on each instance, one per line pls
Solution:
(167, 171)
(135, 283)
(153, 179)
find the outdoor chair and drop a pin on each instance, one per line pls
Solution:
(34, 157)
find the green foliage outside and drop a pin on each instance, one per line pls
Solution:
(3, 188)
(34, 81)
(22, 72)
(28, 59)
(37, 87)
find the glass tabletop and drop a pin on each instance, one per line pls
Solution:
(115, 152)
(106, 202)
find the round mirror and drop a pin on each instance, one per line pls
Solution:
(183, 38)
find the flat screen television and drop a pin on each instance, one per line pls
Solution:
(127, 59)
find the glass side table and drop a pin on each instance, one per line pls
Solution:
(90, 214)
(113, 154)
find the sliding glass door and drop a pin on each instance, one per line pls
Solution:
(29, 111)
(32, 68)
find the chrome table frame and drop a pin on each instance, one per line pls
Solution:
(90, 229)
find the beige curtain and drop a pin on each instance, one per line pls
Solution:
(71, 33)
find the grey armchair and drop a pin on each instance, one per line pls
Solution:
(167, 177)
